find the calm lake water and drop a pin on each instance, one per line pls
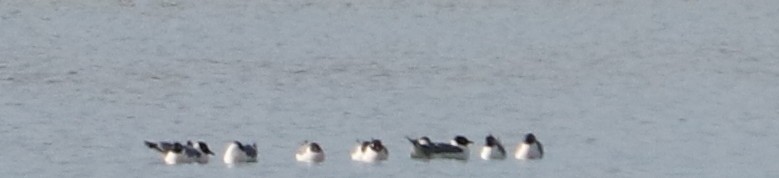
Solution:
(612, 89)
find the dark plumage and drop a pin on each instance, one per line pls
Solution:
(162, 147)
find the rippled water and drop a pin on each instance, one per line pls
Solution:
(612, 89)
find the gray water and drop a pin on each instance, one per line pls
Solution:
(612, 88)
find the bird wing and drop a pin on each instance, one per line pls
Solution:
(162, 147)
(444, 148)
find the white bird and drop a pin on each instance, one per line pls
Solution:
(237, 152)
(370, 151)
(531, 148)
(423, 148)
(493, 149)
(310, 152)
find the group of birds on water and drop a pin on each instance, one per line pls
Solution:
(365, 151)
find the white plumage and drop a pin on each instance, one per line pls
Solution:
(492, 149)
(238, 153)
(370, 151)
(530, 148)
(310, 152)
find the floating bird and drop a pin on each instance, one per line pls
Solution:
(310, 152)
(425, 149)
(492, 149)
(530, 148)
(237, 152)
(370, 151)
(177, 153)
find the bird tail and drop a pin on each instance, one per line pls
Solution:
(413, 141)
(153, 146)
